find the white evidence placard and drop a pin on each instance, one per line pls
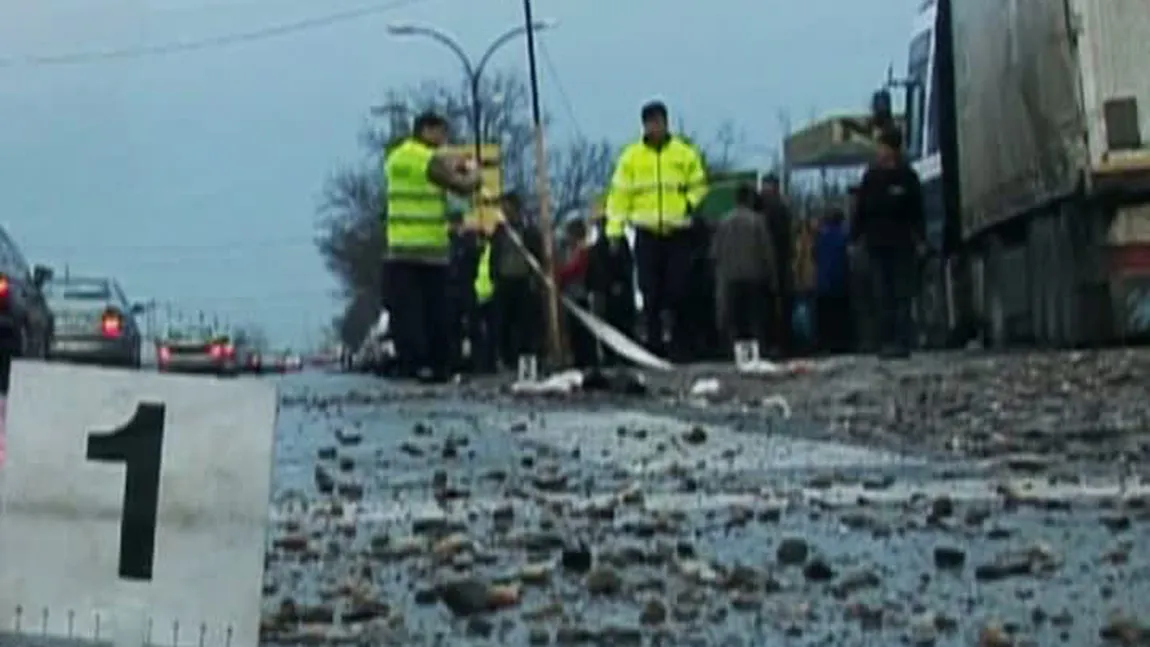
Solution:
(125, 493)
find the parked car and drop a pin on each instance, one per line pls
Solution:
(94, 322)
(25, 320)
(196, 350)
(252, 361)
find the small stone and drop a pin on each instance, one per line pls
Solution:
(654, 613)
(992, 635)
(604, 581)
(941, 508)
(576, 560)
(922, 631)
(538, 636)
(792, 551)
(946, 557)
(696, 436)
(818, 570)
(535, 574)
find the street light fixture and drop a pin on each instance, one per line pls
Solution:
(472, 69)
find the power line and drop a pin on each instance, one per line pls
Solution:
(225, 40)
(568, 107)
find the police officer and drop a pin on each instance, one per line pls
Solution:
(418, 245)
(658, 181)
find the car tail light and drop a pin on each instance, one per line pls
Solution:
(221, 351)
(111, 324)
(165, 354)
(5, 287)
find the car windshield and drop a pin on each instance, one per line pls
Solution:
(79, 290)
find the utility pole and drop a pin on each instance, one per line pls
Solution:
(543, 187)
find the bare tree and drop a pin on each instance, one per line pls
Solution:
(579, 174)
(720, 149)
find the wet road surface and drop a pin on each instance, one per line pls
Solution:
(698, 534)
(457, 517)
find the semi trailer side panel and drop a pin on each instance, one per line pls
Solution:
(1021, 132)
(1114, 50)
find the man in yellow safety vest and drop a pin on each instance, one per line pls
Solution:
(658, 182)
(418, 246)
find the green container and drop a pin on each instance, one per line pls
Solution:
(720, 198)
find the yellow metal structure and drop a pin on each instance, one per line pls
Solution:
(484, 213)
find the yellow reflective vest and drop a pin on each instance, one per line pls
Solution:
(416, 207)
(655, 189)
(484, 286)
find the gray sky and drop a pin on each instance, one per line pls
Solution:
(194, 176)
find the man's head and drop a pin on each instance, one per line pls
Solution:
(769, 186)
(654, 116)
(511, 206)
(575, 231)
(889, 147)
(431, 129)
(836, 217)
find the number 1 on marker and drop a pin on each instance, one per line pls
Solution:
(138, 444)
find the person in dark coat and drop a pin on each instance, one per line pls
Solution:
(611, 283)
(781, 223)
(890, 222)
(462, 267)
(743, 252)
(518, 299)
(833, 313)
(571, 275)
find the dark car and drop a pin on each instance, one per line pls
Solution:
(25, 320)
(197, 350)
(95, 322)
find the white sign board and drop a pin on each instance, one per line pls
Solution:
(134, 499)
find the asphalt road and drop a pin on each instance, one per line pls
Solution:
(459, 516)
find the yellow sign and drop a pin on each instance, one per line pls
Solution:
(484, 211)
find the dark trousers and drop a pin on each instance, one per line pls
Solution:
(483, 326)
(519, 319)
(835, 319)
(892, 270)
(616, 306)
(663, 264)
(418, 301)
(747, 309)
(584, 347)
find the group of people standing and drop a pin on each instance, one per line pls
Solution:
(703, 283)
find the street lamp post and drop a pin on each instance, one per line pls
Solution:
(474, 71)
(543, 187)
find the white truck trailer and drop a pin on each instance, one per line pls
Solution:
(1029, 123)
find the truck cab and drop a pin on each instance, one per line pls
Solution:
(930, 148)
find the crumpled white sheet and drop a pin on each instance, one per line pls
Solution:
(557, 384)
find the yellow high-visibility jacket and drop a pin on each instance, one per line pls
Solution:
(655, 189)
(484, 286)
(416, 207)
